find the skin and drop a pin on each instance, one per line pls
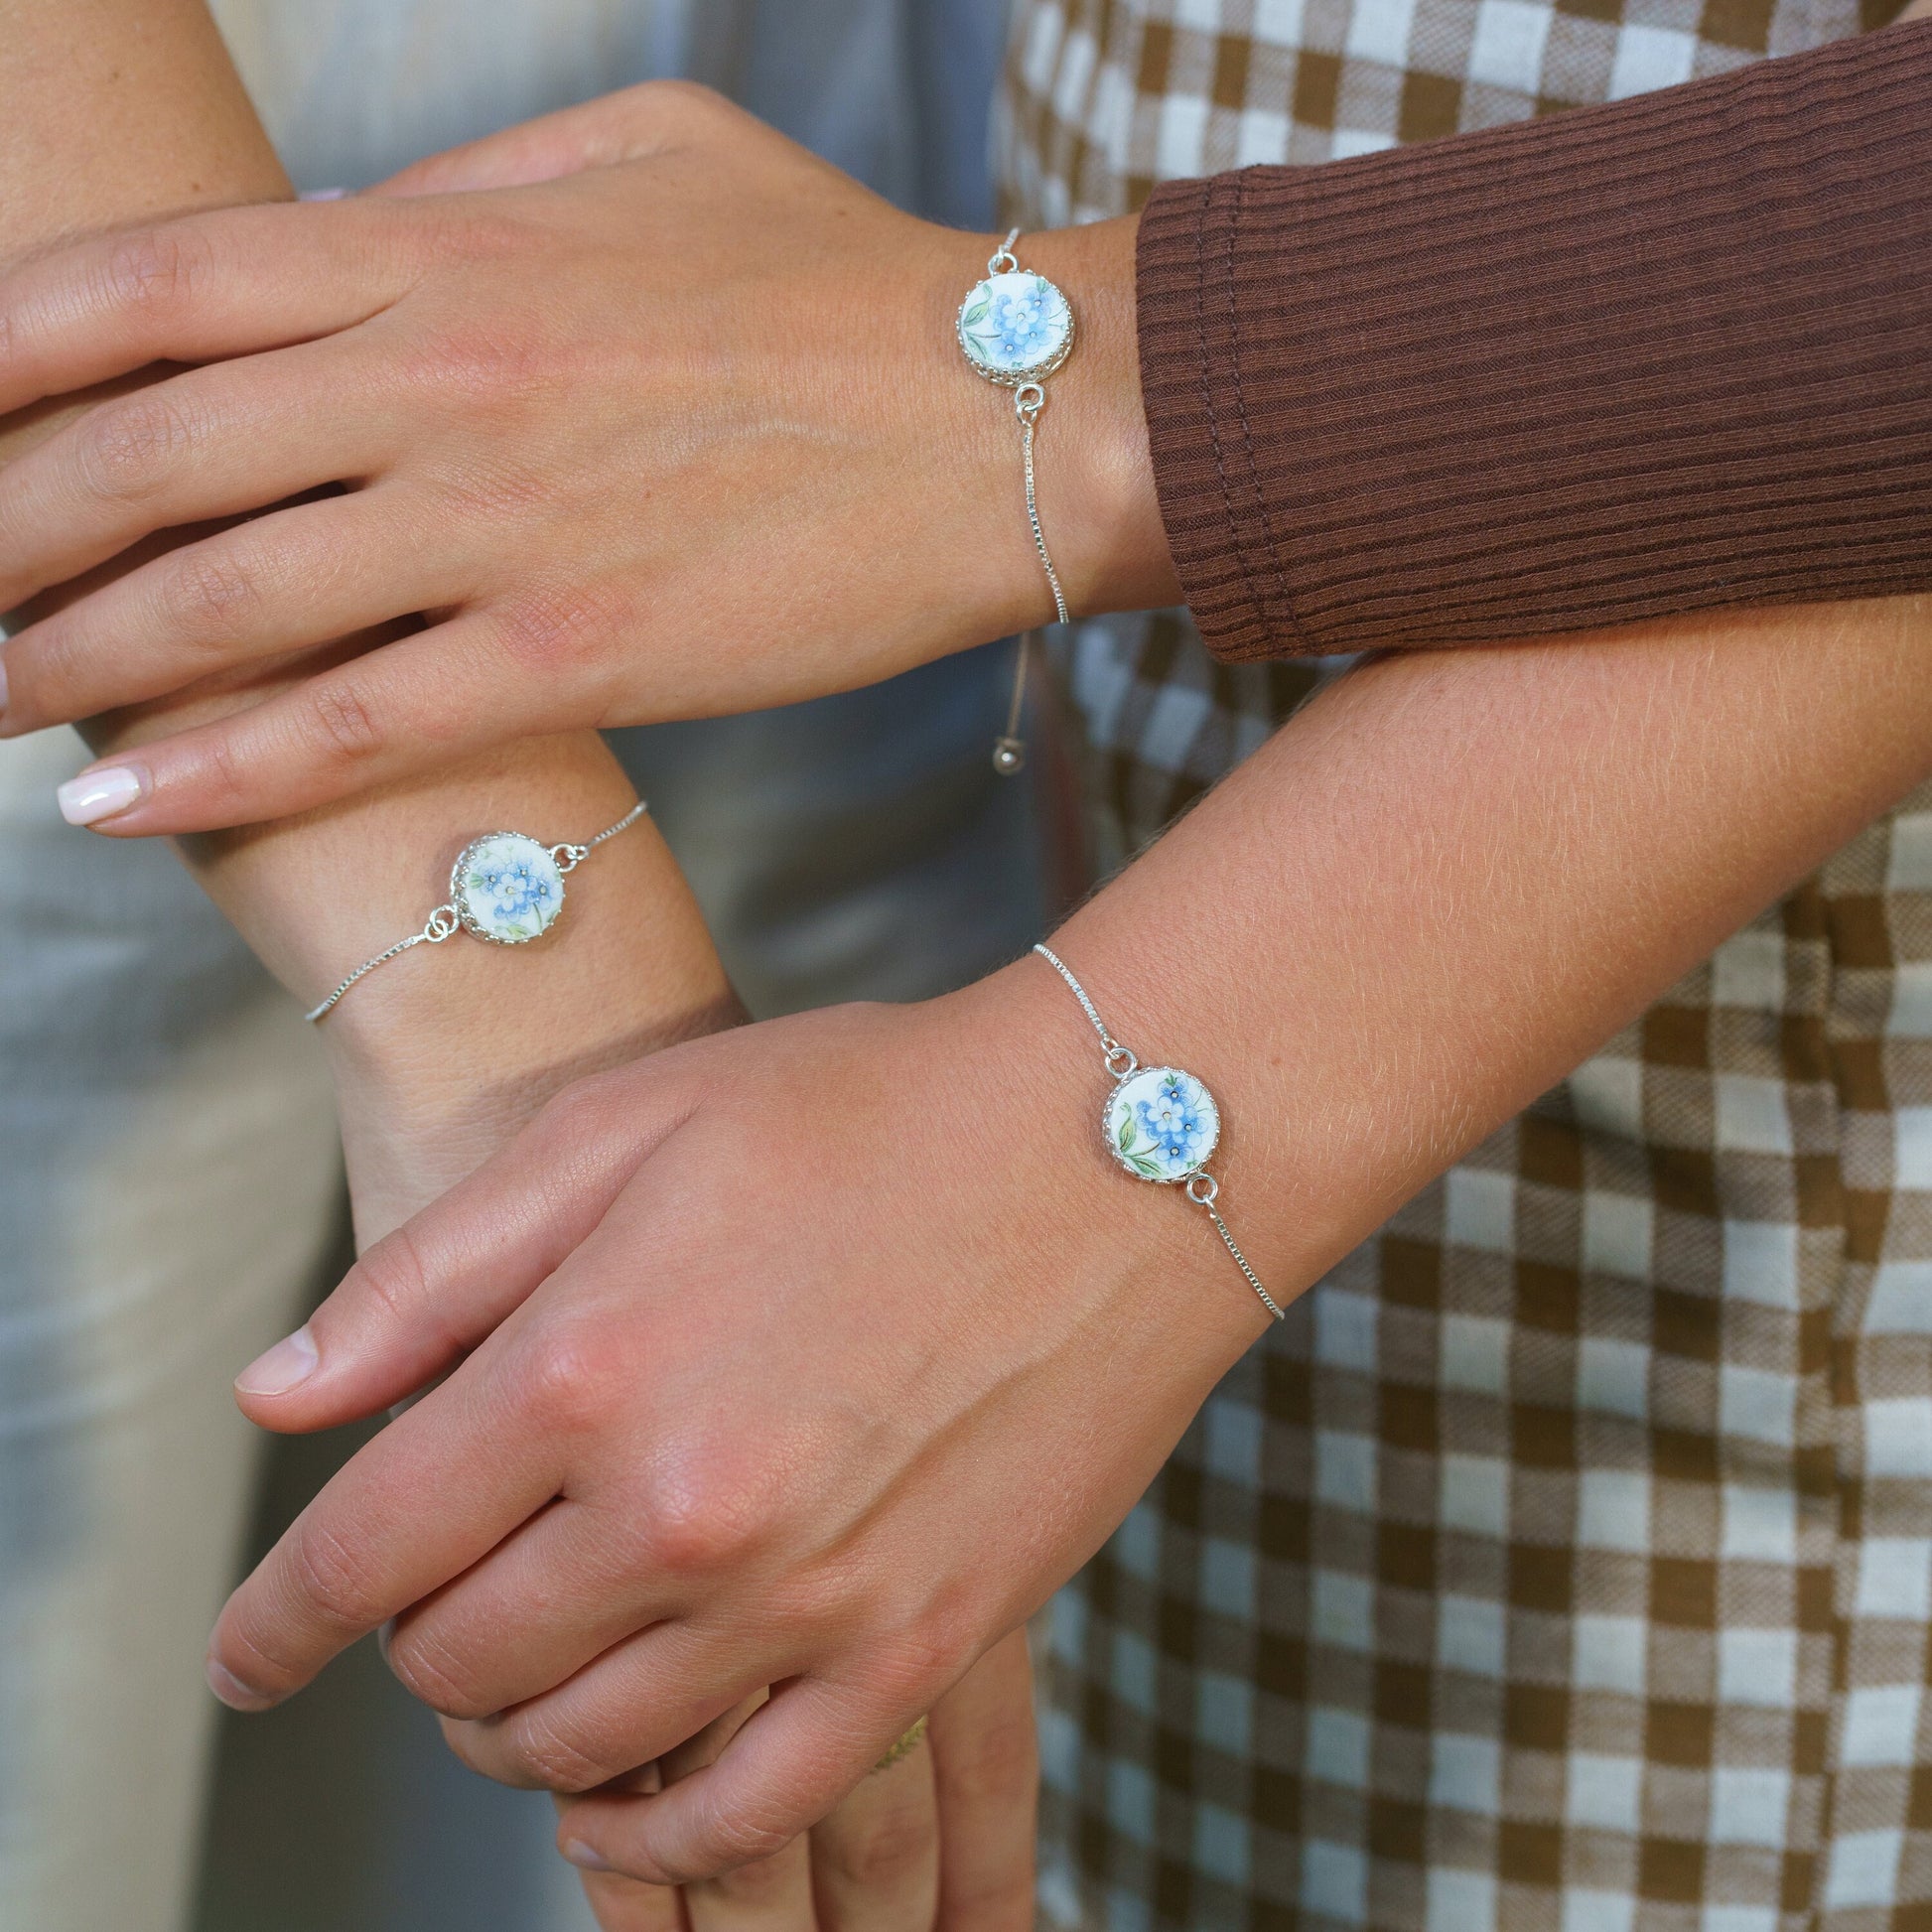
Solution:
(629, 968)
(936, 1371)
(590, 424)
(619, 1515)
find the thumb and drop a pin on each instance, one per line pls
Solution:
(623, 126)
(423, 1297)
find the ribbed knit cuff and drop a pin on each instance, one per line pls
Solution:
(1642, 359)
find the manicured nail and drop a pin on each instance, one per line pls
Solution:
(95, 795)
(286, 1366)
(232, 1691)
(322, 195)
(3, 687)
(584, 1858)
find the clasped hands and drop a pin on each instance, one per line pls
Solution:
(805, 1360)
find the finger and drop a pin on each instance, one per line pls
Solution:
(985, 1777)
(549, 1600)
(435, 697)
(620, 1904)
(772, 1895)
(637, 1701)
(226, 282)
(441, 1486)
(769, 1895)
(622, 126)
(424, 1296)
(876, 1858)
(278, 582)
(787, 1769)
(212, 443)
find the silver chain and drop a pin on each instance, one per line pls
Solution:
(443, 923)
(1010, 751)
(1201, 1187)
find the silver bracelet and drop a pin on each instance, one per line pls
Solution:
(505, 886)
(1016, 328)
(1161, 1124)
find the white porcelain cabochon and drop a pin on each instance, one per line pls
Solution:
(508, 888)
(1015, 324)
(1162, 1124)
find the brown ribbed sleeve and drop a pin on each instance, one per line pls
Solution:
(1672, 352)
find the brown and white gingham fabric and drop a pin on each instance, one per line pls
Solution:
(1564, 1563)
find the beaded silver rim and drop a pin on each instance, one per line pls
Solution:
(474, 926)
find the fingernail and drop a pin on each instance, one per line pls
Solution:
(286, 1366)
(3, 687)
(95, 795)
(322, 195)
(232, 1691)
(584, 1858)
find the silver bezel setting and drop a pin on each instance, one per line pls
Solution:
(1035, 372)
(469, 923)
(1113, 1148)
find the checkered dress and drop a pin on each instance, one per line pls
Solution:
(1564, 1563)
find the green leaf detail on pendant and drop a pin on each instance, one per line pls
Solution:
(1126, 1135)
(976, 314)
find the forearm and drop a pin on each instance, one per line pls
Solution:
(1451, 879)
(117, 113)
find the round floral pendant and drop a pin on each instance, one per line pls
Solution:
(1016, 327)
(507, 889)
(1162, 1124)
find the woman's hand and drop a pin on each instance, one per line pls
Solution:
(943, 1837)
(684, 431)
(827, 1350)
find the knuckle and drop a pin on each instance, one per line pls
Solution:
(392, 1275)
(484, 365)
(125, 449)
(205, 593)
(332, 1580)
(550, 1762)
(560, 630)
(422, 1662)
(154, 271)
(898, 1843)
(47, 667)
(762, 1883)
(341, 723)
(571, 1375)
(730, 1841)
(710, 1509)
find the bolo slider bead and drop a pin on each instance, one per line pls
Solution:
(1010, 757)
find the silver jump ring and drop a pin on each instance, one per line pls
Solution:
(443, 924)
(1029, 400)
(1122, 1062)
(1198, 1182)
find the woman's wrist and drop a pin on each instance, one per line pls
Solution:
(1099, 512)
(1169, 1287)
(1096, 468)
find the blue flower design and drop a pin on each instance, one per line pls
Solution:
(1017, 323)
(1172, 1121)
(1021, 327)
(510, 891)
(1168, 1134)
